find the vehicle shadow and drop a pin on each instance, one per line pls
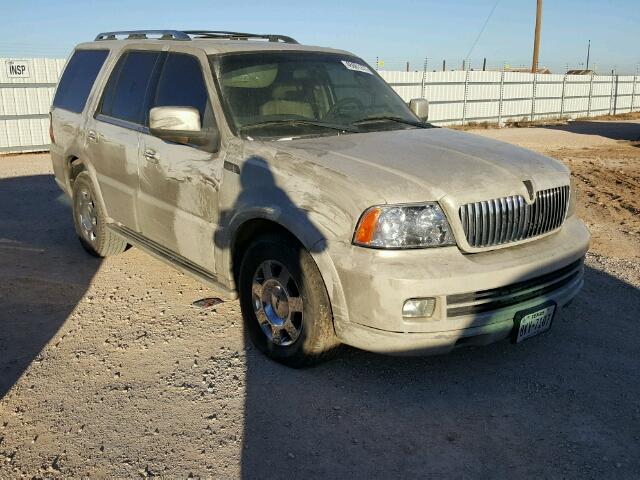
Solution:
(624, 131)
(544, 408)
(44, 272)
(561, 404)
(263, 200)
(476, 412)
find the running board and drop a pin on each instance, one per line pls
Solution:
(174, 260)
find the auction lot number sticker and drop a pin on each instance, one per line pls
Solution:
(356, 67)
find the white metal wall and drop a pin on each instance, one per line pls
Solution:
(456, 97)
(24, 105)
(460, 97)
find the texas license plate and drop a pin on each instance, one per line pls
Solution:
(533, 321)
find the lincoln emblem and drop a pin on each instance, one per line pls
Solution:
(529, 185)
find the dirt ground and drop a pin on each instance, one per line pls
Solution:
(107, 370)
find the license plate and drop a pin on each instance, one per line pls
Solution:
(533, 321)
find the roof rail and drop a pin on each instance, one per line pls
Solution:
(144, 34)
(188, 34)
(240, 35)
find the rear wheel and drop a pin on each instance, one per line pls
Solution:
(284, 302)
(90, 223)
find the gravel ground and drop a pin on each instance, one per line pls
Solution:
(107, 370)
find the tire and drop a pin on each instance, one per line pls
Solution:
(90, 223)
(273, 308)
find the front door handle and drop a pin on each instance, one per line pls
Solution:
(92, 136)
(150, 155)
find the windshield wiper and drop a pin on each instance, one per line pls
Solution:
(390, 118)
(340, 128)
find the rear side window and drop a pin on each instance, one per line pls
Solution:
(181, 84)
(125, 93)
(77, 79)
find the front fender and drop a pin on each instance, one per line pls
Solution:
(291, 219)
(303, 227)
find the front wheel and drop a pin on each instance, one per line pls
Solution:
(284, 302)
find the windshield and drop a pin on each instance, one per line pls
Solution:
(282, 94)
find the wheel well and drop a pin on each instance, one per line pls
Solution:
(74, 167)
(247, 232)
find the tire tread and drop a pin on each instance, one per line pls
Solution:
(322, 343)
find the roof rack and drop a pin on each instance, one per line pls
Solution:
(240, 35)
(144, 34)
(189, 34)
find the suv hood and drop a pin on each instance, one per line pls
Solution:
(403, 166)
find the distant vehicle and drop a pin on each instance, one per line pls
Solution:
(580, 72)
(295, 178)
(540, 70)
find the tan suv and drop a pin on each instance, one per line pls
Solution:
(295, 178)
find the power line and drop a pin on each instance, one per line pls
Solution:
(495, 5)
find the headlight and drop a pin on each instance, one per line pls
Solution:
(571, 209)
(403, 226)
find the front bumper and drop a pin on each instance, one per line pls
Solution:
(376, 283)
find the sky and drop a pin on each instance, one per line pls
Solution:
(394, 31)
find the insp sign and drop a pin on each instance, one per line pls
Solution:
(17, 69)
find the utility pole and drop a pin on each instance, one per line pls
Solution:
(536, 42)
(588, 53)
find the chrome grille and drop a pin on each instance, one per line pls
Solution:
(509, 219)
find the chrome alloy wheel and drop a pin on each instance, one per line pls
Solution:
(277, 303)
(87, 215)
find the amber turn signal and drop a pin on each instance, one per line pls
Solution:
(367, 226)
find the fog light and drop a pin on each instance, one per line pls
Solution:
(418, 307)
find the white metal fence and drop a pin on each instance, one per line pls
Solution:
(460, 97)
(25, 98)
(456, 97)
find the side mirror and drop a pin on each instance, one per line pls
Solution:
(178, 124)
(420, 107)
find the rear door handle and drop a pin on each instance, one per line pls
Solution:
(92, 136)
(150, 155)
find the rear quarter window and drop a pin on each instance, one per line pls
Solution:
(78, 78)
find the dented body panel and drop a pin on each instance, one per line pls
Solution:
(187, 205)
(177, 199)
